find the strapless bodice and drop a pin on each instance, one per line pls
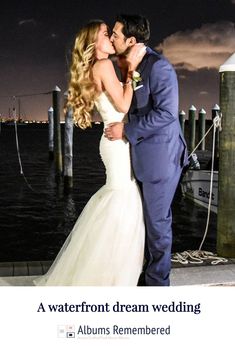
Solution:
(107, 110)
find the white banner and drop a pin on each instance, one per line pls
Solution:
(79, 319)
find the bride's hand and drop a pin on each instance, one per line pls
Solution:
(135, 56)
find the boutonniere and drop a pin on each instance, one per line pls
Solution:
(136, 78)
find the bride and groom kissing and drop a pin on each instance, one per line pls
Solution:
(125, 230)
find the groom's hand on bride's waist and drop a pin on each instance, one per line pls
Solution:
(114, 131)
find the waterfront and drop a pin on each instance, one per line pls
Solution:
(34, 225)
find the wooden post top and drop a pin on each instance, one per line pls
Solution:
(229, 64)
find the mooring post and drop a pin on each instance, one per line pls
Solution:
(182, 120)
(192, 127)
(68, 148)
(201, 128)
(50, 133)
(57, 132)
(226, 197)
(214, 112)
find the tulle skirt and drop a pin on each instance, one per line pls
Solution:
(106, 245)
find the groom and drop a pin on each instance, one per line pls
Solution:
(157, 146)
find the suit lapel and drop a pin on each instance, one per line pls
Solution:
(142, 65)
(140, 69)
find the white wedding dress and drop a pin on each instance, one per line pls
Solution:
(106, 245)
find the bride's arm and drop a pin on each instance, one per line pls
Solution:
(121, 95)
(105, 77)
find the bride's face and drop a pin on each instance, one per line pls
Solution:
(104, 46)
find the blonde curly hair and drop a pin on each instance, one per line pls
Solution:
(82, 91)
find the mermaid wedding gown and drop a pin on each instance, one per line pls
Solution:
(106, 245)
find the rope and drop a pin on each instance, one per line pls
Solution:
(203, 138)
(216, 123)
(19, 159)
(27, 95)
(16, 133)
(197, 256)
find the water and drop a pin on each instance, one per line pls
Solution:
(34, 225)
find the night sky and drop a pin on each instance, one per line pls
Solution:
(197, 36)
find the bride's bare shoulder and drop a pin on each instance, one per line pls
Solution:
(103, 64)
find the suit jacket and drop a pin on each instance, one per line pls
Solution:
(157, 143)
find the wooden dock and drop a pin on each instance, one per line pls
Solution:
(23, 274)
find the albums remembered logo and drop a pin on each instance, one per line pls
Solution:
(66, 331)
(113, 331)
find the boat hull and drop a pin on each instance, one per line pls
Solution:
(195, 185)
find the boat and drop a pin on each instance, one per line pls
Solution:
(195, 185)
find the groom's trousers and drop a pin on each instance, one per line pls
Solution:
(157, 198)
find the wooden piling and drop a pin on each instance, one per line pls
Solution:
(68, 150)
(226, 196)
(201, 128)
(182, 120)
(192, 127)
(57, 132)
(51, 133)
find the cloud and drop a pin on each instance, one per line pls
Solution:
(233, 1)
(27, 21)
(205, 47)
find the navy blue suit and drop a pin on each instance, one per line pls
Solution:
(159, 153)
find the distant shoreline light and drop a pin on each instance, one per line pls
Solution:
(21, 121)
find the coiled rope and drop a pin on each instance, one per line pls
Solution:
(199, 256)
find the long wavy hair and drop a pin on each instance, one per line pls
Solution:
(82, 91)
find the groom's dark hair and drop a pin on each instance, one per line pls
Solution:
(135, 26)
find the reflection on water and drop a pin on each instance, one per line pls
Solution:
(34, 225)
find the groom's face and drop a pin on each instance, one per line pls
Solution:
(120, 42)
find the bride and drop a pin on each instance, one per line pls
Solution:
(106, 245)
